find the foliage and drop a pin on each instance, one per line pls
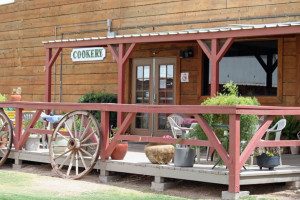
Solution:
(101, 98)
(290, 130)
(229, 96)
(38, 125)
(17, 91)
(2, 97)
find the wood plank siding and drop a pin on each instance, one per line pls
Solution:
(25, 24)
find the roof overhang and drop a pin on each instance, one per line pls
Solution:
(232, 31)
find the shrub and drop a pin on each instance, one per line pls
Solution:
(101, 98)
(2, 97)
(229, 96)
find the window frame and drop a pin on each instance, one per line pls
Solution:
(265, 100)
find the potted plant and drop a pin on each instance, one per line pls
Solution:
(184, 156)
(121, 148)
(3, 137)
(16, 94)
(160, 153)
(269, 158)
(219, 122)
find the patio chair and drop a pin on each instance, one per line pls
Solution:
(178, 131)
(277, 128)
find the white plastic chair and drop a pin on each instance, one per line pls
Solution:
(174, 121)
(277, 128)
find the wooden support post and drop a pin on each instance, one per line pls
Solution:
(48, 76)
(105, 133)
(18, 128)
(121, 57)
(234, 154)
(215, 54)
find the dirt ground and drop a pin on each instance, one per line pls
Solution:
(186, 189)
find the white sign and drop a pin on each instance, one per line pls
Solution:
(88, 54)
(184, 77)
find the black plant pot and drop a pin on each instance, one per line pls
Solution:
(184, 157)
(267, 161)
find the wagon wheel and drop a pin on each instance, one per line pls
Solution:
(6, 136)
(75, 145)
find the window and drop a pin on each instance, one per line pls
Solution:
(252, 65)
(2, 2)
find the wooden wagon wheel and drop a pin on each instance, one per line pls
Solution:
(6, 136)
(77, 153)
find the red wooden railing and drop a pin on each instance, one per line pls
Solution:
(233, 159)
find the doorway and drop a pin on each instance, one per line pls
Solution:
(153, 83)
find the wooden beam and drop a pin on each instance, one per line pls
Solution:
(205, 48)
(121, 130)
(224, 48)
(255, 139)
(213, 139)
(18, 128)
(234, 154)
(105, 134)
(31, 124)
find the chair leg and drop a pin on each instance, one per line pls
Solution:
(279, 152)
(198, 154)
(207, 153)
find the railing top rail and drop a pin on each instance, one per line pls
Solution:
(190, 109)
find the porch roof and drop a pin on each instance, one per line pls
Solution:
(233, 30)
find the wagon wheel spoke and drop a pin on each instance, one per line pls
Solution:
(82, 159)
(87, 153)
(87, 145)
(3, 126)
(88, 137)
(68, 129)
(70, 166)
(6, 133)
(85, 131)
(80, 146)
(63, 163)
(58, 133)
(61, 155)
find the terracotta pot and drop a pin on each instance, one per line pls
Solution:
(2, 145)
(159, 153)
(15, 97)
(120, 151)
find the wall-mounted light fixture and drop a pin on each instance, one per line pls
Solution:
(188, 53)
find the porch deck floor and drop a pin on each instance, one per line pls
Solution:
(136, 162)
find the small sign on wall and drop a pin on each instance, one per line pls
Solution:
(184, 78)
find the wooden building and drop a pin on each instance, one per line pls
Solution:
(265, 67)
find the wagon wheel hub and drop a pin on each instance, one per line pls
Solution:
(73, 144)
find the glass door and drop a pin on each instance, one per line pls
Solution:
(153, 82)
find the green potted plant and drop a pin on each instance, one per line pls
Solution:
(121, 148)
(16, 94)
(269, 158)
(219, 122)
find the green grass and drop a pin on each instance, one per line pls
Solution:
(20, 186)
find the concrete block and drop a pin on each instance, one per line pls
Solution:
(16, 166)
(160, 187)
(293, 185)
(107, 179)
(234, 196)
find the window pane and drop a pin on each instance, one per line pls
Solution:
(147, 72)
(139, 72)
(170, 71)
(252, 65)
(163, 71)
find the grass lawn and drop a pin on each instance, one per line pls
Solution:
(18, 185)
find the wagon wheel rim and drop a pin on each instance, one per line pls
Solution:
(81, 146)
(6, 129)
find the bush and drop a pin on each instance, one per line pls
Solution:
(229, 96)
(101, 98)
(2, 97)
